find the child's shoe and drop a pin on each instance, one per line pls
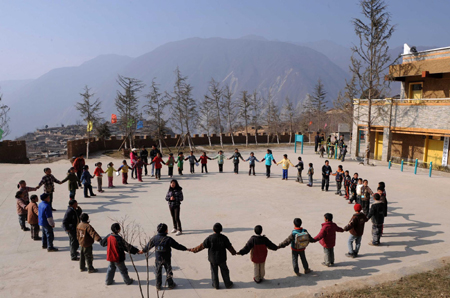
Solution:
(308, 271)
(178, 233)
(93, 270)
(174, 231)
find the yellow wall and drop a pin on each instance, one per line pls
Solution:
(435, 148)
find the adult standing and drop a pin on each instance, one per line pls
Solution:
(269, 159)
(326, 171)
(78, 165)
(47, 223)
(144, 157)
(70, 222)
(153, 153)
(316, 142)
(133, 161)
(174, 197)
(49, 185)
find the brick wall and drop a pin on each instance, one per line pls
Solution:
(76, 147)
(13, 152)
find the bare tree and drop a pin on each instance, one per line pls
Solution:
(370, 58)
(207, 116)
(344, 100)
(183, 108)
(288, 116)
(275, 120)
(217, 100)
(4, 119)
(255, 110)
(244, 112)
(127, 104)
(103, 132)
(189, 107)
(176, 102)
(268, 114)
(319, 103)
(90, 111)
(229, 110)
(155, 110)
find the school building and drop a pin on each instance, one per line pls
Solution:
(416, 125)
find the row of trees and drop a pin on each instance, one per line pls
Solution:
(220, 111)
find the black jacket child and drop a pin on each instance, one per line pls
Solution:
(377, 212)
(236, 156)
(119, 245)
(326, 171)
(217, 245)
(258, 246)
(71, 219)
(163, 245)
(299, 166)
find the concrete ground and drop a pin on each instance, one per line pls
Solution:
(416, 230)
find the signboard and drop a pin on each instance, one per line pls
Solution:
(298, 138)
(445, 152)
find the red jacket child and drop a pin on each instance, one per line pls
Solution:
(327, 234)
(157, 161)
(204, 159)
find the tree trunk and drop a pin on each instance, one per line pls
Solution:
(232, 138)
(278, 139)
(87, 145)
(160, 145)
(256, 136)
(209, 139)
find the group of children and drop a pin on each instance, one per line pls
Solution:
(81, 233)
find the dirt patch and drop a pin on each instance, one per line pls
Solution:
(435, 283)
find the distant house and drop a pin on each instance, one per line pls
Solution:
(416, 125)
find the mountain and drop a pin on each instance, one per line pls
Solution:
(246, 64)
(338, 54)
(50, 99)
(9, 87)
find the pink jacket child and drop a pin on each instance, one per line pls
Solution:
(133, 161)
(327, 238)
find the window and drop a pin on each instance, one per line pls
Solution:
(415, 90)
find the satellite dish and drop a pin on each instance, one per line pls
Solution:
(413, 50)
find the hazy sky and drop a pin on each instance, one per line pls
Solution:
(39, 35)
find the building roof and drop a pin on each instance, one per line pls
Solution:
(428, 63)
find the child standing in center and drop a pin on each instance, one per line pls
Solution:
(98, 172)
(285, 162)
(110, 174)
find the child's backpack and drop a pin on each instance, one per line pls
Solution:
(301, 239)
(112, 253)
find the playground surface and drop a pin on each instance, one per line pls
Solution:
(416, 233)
